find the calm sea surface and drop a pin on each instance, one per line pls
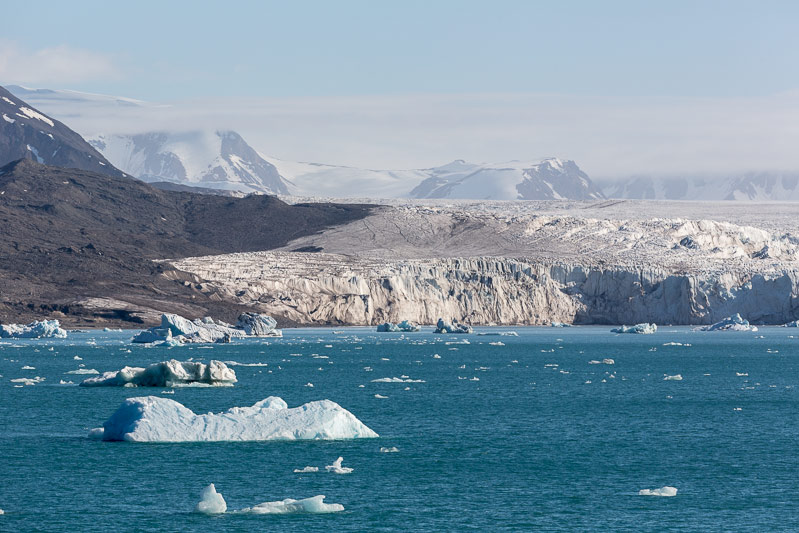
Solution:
(530, 445)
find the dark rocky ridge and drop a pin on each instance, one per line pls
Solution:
(71, 237)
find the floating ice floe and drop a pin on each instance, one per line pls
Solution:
(397, 380)
(176, 329)
(381, 397)
(663, 491)
(676, 377)
(313, 505)
(559, 325)
(83, 371)
(452, 327)
(496, 344)
(155, 419)
(675, 344)
(605, 361)
(404, 326)
(35, 330)
(306, 470)
(732, 323)
(794, 324)
(171, 373)
(211, 502)
(392, 449)
(27, 367)
(643, 329)
(336, 467)
(28, 381)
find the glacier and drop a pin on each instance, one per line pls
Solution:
(526, 264)
(641, 329)
(175, 329)
(170, 373)
(38, 329)
(155, 419)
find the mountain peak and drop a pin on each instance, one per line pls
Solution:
(27, 133)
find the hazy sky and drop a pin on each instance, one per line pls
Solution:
(621, 87)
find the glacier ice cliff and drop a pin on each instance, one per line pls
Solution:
(171, 373)
(154, 419)
(525, 263)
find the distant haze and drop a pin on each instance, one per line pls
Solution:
(622, 87)
(608, 137)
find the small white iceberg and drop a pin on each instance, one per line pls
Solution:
(211, 502)
(336, 467)
(397, 380)
(83, 371)
(156, 419)
(641, 329)
(676, 377)
(404, 326)
(731, 323)
(451, 327)
(306, 470)
(662, 491)
(38, 329)
(175, 330)
(391, 449)
(171, 373)
(313, 505)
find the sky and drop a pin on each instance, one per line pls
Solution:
(621, 87)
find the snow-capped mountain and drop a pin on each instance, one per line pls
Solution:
(753, 186)
(27, 133)
(549, 179)
(210, 159)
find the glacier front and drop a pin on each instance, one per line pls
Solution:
(154, 419)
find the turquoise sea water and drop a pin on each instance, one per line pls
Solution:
(528, 447)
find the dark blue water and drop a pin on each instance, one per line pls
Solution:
(527, 447)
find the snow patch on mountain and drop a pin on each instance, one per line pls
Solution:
(211, 159)
(548, 179)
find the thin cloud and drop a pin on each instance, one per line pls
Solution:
(608, 137)
(57, 65)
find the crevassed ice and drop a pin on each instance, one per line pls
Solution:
(156, 419)
(170, 373)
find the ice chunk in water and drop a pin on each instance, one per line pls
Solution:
(211, 502)
(336, 467)
(157, 419)
(663, 491)
(313, 505)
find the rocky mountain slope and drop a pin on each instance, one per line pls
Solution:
(83, 246)
(27, 133)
